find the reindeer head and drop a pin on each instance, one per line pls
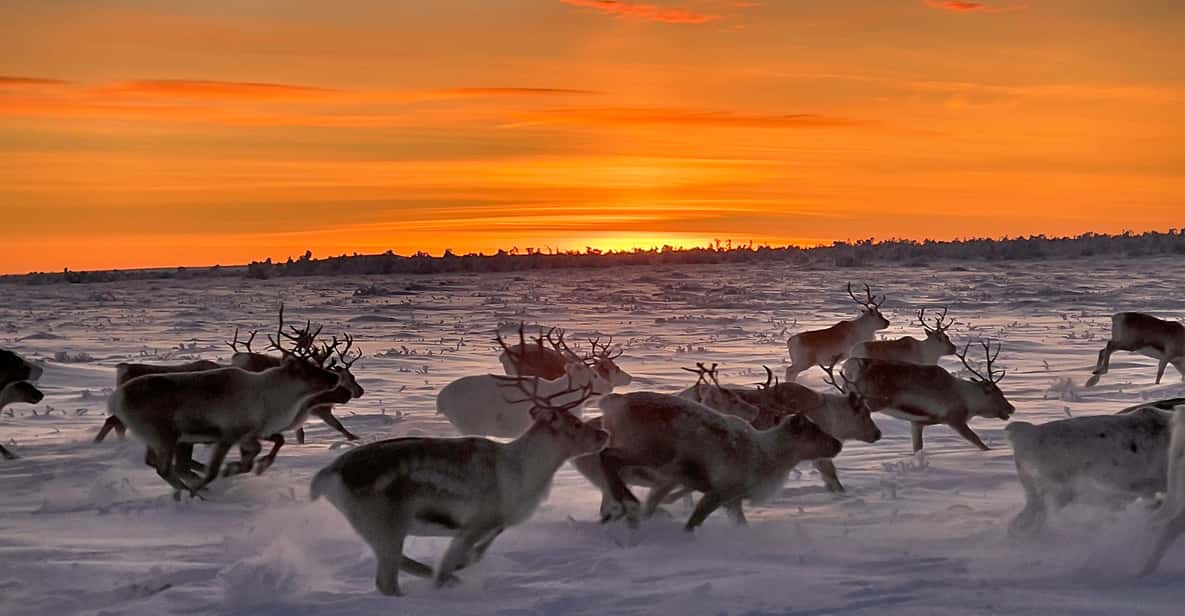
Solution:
(936, 335)
(575, 437)
(20, 391)
(13, 367)
(810, 441)
(871, 306)
(853, 419)
(601, 356)
(994, 403)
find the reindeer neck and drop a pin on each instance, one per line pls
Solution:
(537, 455)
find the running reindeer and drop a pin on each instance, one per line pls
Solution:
(929, 395)
(844, 416)
(468, 488)
(535, 359)
(1146, 335)
(831, 344)
(475, 405)
(910, 350)
(224, 407)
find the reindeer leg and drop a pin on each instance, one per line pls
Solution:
(658, 494)
(8, 455)
(221, 448)
(327, 417)
(965, 431)
(249, 449)
(1171, 530)
(163, 461)
(1164, 363)
(611, 464)
(1103, 365)
(915, 429)
(391, 560)
(112, 422)
(826, 468)
(736, 512)
(710, 502)
(300, 436)
(459, 549)
(277, 440)
(184, 464)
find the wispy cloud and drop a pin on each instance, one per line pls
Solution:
(210, 89)
(962, 6)
(8, 81)
(644, 12)
(627, 116)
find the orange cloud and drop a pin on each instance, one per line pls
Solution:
(644, 12)
(961, 6)
(627, 116)
(7, 81)
(185, 88)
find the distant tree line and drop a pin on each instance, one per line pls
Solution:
(860, 253)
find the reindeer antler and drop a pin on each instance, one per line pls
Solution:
(242, 346)
(604, 350)
(871, 302)
(704, 373)
(303, 340)
(990, 358)
(544, 402)
(940, 322)
(770, 379)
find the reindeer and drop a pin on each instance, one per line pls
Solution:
(536, 360)
(468, 488)
(1145, 335)
(15, 392)
(475, 404)
(225, 407)
(246, 358)
(1170, 519)
(844, 416)
(15, 368)
(909, 349)
(831, 344)
(677, 442)
(928, 395)
(125, 372)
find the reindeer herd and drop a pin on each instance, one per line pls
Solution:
(730, 444)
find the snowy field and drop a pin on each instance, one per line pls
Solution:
(87, 528)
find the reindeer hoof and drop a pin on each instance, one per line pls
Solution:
(1092, 381)
(262, 466)
(448, 581)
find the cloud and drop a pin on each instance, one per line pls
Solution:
(7, 81)
(961, 6)
(634, 116)
(510, 91)
(644, 12)
(209, 89)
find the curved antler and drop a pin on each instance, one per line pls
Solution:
(871, 302)
(991, 377)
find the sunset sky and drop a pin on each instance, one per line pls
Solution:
(143, 133)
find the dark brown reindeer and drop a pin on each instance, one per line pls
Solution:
(831, 344)
(929, 395)
(223, 407)
(1146, 335)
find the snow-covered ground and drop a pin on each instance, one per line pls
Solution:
(87, 528)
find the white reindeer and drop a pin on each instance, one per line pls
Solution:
(675, 442)
(13, 393)
(227, 406)
(477, 405)
(1170, 519)
(468, 488)
(1146, 335)
(929, 395)
(831, 344)
(910, 350)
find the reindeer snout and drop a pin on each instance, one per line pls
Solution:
(876, 436)
(37, 397)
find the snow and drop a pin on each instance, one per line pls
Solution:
(87, 528)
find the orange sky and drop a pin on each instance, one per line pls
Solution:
(138, 133)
